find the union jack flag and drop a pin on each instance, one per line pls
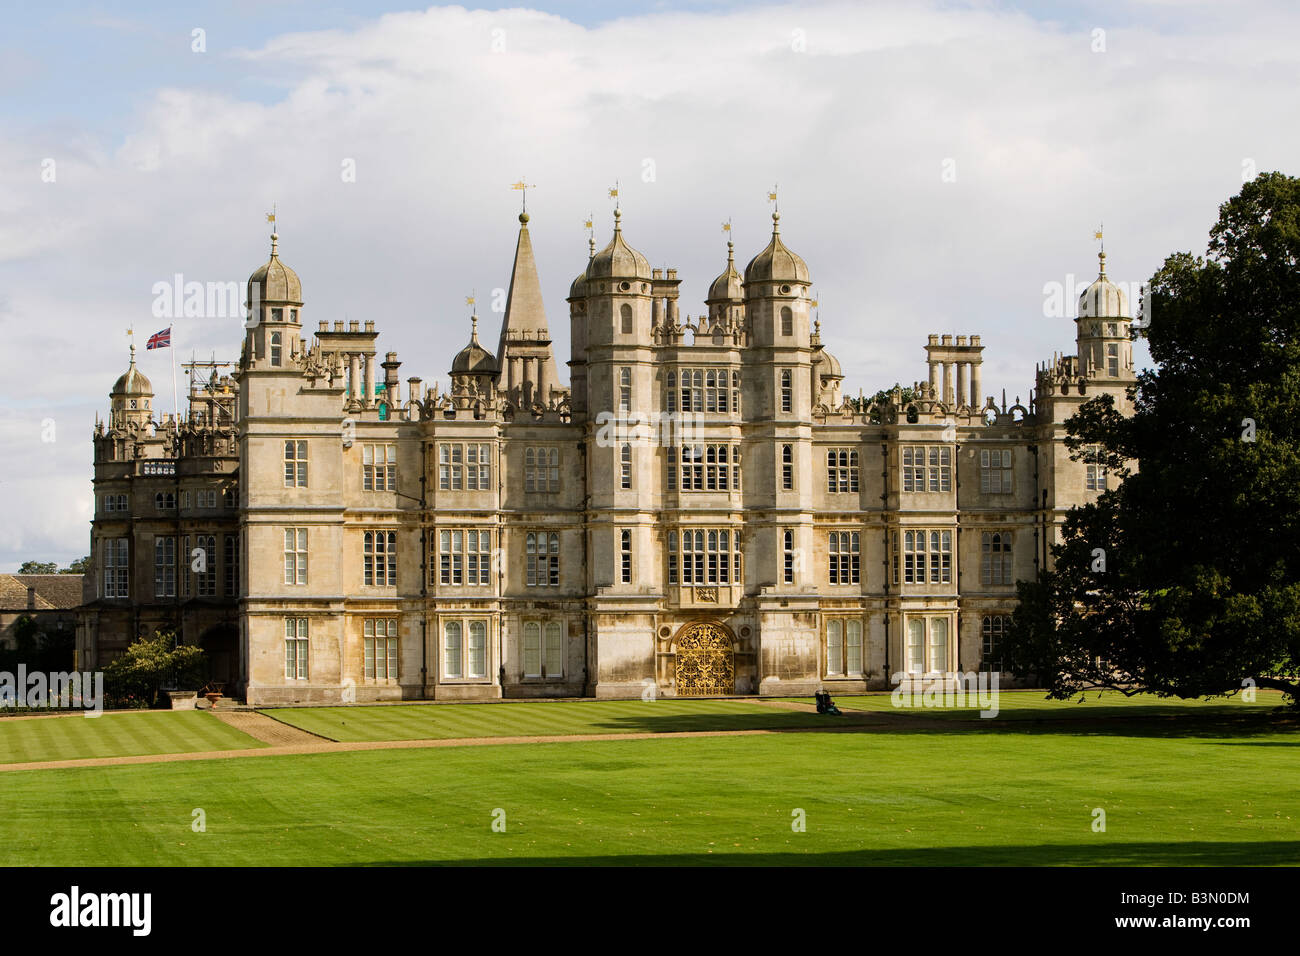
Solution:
(160, 340)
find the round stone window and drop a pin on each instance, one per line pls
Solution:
(785, 290)
(625, 286)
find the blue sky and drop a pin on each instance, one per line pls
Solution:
(167, 161)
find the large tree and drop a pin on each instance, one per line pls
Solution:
(38, 567)
(1185, 579)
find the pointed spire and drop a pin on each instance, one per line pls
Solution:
(525, 315)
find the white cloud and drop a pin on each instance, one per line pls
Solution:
(1048, 139)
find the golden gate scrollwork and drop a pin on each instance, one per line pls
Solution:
(705, 664)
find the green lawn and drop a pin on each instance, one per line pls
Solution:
(549, 718)
(1210, 791)
(539, 718)
(116, 735)
(1032, 705)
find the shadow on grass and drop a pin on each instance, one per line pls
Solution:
(1274, 853)
(1120, 724)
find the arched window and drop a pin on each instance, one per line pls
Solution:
(625, 389)
(787, 321)
(787, 392)
(625, 316)
(625, 459)
(275, 348)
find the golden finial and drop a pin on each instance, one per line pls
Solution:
(1101, 254)
(771, 197)
(523, 187)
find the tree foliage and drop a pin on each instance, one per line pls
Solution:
(1200, 590)
(152, 662)
(38, 567)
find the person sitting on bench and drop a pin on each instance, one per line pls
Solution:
(825, 705)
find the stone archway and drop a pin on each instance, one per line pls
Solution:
(705, 662)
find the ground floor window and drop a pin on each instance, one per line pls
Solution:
(843, 647)
(380, 648)
(543, 649)
(295, 648)
(992, 628)
(464, 649)
(926, 645)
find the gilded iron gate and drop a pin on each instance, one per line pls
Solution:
(705, 664)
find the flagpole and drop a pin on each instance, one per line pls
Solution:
(176, 408)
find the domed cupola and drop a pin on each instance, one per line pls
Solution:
(132, 383)
(474, 359)
(131, 397)
(729, 286)
(776, 263)
(274, 283)
(578, 288)
(1103, 299)
(618, 260)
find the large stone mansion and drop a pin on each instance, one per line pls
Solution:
(700, 511)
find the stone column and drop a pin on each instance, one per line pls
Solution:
(963, 381)
(529, 379)
(934, 379)
(354, 373)
(369, 398)
(947, 383)
(976, 388)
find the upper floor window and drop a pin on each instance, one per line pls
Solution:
(927, 468)
(164, 501)
(995, 471)
(464, 557)
(787, 467)
(705, 467)
(115, 503)
(995, 558)
(379, 648)
(164, 567)
(927, 555)
(625, 389)
(275, 345)
(206, 579)
(379, 467)
(116, 568)
(787, 321)
(295, 463)
(703, 390)
(1112, 360)
(1095, 478)
(625, 555)
(708, 556)
(841, 470)
(295, 555)
(787, 391)
(464, 467)
(230, 496)
(787, 549)
(542, 469)
(625, 465)
(380, 559)
(542, 559)
(230, 565)
(844, 553)
(625, 318)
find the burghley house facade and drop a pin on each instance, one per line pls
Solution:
(700, 511)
